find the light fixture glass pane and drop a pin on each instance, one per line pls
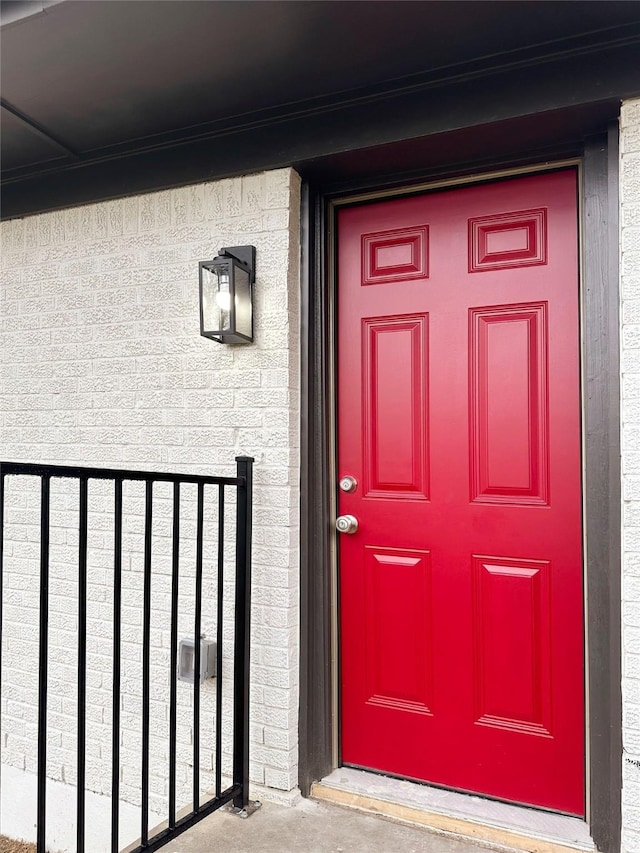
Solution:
(216, 299)
(243, 302)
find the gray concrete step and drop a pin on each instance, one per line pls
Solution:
(311, 827)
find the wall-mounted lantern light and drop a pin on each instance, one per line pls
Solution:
(226, 295)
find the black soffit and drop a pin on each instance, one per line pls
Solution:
(106, 98)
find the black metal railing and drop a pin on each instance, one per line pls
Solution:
(238, 791)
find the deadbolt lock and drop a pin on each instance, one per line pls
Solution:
(348, 484)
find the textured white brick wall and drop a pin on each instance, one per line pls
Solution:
(630, 266)
(102, 364)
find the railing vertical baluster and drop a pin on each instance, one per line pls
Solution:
(219, 621)
(242, 634)
(146, 651)
(173, 657)
(196, 661)
(43, 669)
(82, 661)
(117, 627)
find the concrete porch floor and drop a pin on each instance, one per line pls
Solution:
(311, 827)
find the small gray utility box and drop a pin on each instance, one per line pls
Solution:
(187, 660)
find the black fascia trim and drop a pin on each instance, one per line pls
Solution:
(509, 62)
(571, 81)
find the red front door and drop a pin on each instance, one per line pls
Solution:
(458, 416)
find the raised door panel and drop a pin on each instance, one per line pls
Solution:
(395, 407)
(512, 644)
(395, 256)
(398, 644)
(509, 397)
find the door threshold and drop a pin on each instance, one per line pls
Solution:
(450, 812)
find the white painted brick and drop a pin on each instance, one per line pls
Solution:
(631, 213)
(629, 116)
(631, 588)
(105, 366)
(285, 780)
(630, 360)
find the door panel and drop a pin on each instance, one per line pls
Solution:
(398, 598)
(396, 407)
(511, 643)
(509, 383)
(458, 415)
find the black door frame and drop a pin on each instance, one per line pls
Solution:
(601, 421)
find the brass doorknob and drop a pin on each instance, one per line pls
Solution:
(346, 524)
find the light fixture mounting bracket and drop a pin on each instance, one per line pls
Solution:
(245, 254)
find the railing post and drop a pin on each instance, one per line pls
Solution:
(43, 664)
(1, 599)
(242, 632)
